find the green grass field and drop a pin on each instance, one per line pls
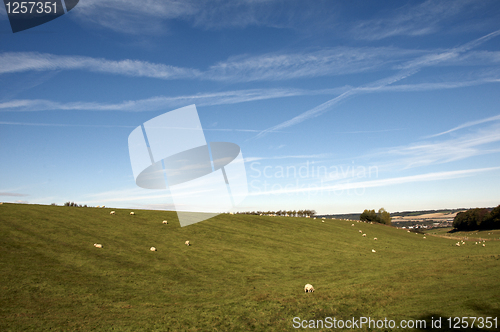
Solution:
(242, 273)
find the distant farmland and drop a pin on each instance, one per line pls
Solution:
(242, 272)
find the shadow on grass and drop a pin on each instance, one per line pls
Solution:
(448, 324)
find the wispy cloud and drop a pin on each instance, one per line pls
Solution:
(325, 62)
(13, 62)
(428, 153)
(436, 176)
(266, 67)
(414, 20)
(466, 125)
(160, 102)
(407, 70)
(243, 68)
(318, 110)
(449, 56)
(133, 17)
(152, 16)
(233, 97)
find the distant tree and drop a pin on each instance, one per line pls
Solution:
(384, 216)
(369, 215)
(478, 218)
(493, 221)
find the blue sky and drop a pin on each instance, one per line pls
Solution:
(337, 106)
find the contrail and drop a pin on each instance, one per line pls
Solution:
(408, 70)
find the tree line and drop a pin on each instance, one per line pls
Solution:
(290, 213)
(382, 216)
(72, 204)
(478, 218)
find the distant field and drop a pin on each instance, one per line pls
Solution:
(471, 235)
(242, 272)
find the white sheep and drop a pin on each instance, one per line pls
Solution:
(98, 206)
(152, 249)
(322, 221)
(484, 245)
(375, 238)
(314, 218)
(165, 222)
(424, 237)
(112, 212)
(187, 243)
(308, 288)
(373, 250)
(132, 213)
(360, 231)
(352, 225)
(97, 245)
(102, 206)
(457, 244)
(364, 235)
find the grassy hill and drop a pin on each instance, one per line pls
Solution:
(241, 273)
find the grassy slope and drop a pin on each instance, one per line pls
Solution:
(241, 272)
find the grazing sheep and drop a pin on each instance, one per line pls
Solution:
(360, 231)
(322, 221)
(408, 231)
(484, 245)
(323, 218)
(165, 222)
(152, 249)
(424, 237)
(102, 206)
(373, 250)
(476, 243)
(187, 243)
(98, 206)
(352, 225)
(132, 213)
(112, 212)
(364, 235)
(375, 238)
(308, 288)
(97, 245)
(457, 244)
(314, 218)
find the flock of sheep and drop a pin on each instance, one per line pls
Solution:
(165, 222)
(463, 243)
(308, 288)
